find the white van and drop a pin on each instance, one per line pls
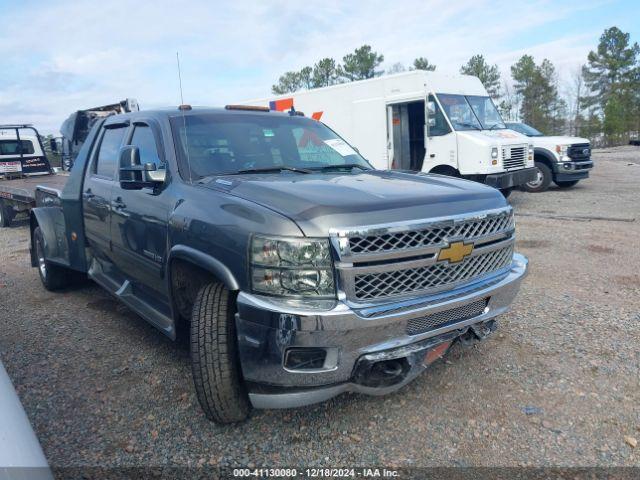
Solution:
(421, 121)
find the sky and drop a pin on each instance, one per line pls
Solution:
(61, 56)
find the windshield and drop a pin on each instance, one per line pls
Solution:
(525, 129)
(225, 144)
(486, 112)
(459, 112)
(471, 112)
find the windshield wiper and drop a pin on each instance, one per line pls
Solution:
(494, 126)
(272, 169)
(349, 166)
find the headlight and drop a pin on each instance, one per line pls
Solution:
(494, 153)
(561, 150)
(292, 267)
(530, 153)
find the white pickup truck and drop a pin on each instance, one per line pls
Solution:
(561, 160)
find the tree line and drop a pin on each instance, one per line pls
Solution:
(600, 100)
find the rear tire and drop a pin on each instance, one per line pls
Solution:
(567, 184)
(6, 214)
(214, 356)
(543, 181)
(53, 277)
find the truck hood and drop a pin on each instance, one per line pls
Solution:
(495, 137)
(319, 202)
(557, 140)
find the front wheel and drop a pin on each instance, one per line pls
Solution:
(542, 180)
(53, 277)
(566, 184)
(214, 356)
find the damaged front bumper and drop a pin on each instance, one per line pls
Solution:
(374, 350)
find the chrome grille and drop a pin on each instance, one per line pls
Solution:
(419, 325)
(377, 285)
(432, 236)
(514, 156)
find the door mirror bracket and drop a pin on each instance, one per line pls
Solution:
(134, 175)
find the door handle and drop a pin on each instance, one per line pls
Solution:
(432, 155)
(88, 194)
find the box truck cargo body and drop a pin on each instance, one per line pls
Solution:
(421, 121)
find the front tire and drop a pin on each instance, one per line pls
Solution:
(566, 184)
(542, 182)
(214, 356)
(53, 277)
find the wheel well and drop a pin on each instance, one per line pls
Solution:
(186, 280)
(445, 170)
(539, 157)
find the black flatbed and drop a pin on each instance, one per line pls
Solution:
(23, 189)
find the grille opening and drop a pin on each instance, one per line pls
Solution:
(398, 282)
(435, 235)
(419, 325)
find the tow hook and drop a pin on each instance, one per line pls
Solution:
(478, 332)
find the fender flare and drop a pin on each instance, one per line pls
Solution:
(207, 262)
(52, 225)
(548, 156)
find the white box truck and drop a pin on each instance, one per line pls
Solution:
(421, 121)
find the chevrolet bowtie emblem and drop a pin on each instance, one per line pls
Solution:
(455, 252)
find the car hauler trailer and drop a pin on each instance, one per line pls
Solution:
(421, 121)
(23, 166)
(76, 128)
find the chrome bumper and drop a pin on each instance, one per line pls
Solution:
(267, 327)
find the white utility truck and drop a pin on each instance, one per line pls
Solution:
(421, 121)
(561, 159)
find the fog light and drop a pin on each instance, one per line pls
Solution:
(305, 358)
(568, 166)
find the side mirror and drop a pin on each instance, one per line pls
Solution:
(134, 175)
(431, 122)
(53, 145)
(431, 108)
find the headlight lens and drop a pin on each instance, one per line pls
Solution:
(292, 267)
(561, 150)
(494, 153)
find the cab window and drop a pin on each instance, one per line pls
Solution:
(13, 147)
(107, 158)
(145, 141)
(441, 126)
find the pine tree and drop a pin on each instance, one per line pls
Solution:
(489, 75)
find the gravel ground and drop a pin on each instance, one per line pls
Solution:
(558, 384)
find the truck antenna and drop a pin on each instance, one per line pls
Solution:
(182, 108)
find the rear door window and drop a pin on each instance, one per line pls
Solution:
(107, 158)
(13, 147)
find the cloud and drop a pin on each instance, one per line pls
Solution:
(68, 55)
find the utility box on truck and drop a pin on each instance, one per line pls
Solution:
(421, 121)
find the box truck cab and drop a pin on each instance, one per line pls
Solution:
(421, 121)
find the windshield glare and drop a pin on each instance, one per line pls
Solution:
(486, 112)
(459, 112)
(471, 112)
(224, 144)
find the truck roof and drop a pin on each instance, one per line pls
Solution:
(171, 112)
(412, 81)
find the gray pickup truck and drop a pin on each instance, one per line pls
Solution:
(299, 271)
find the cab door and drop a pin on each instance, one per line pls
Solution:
(97, 189)
(441, 144)
(139, 221)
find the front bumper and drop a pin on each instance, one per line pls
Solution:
(511, 179)
(572, 170)
(267, 327)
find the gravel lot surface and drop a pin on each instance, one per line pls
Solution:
(557, 384)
